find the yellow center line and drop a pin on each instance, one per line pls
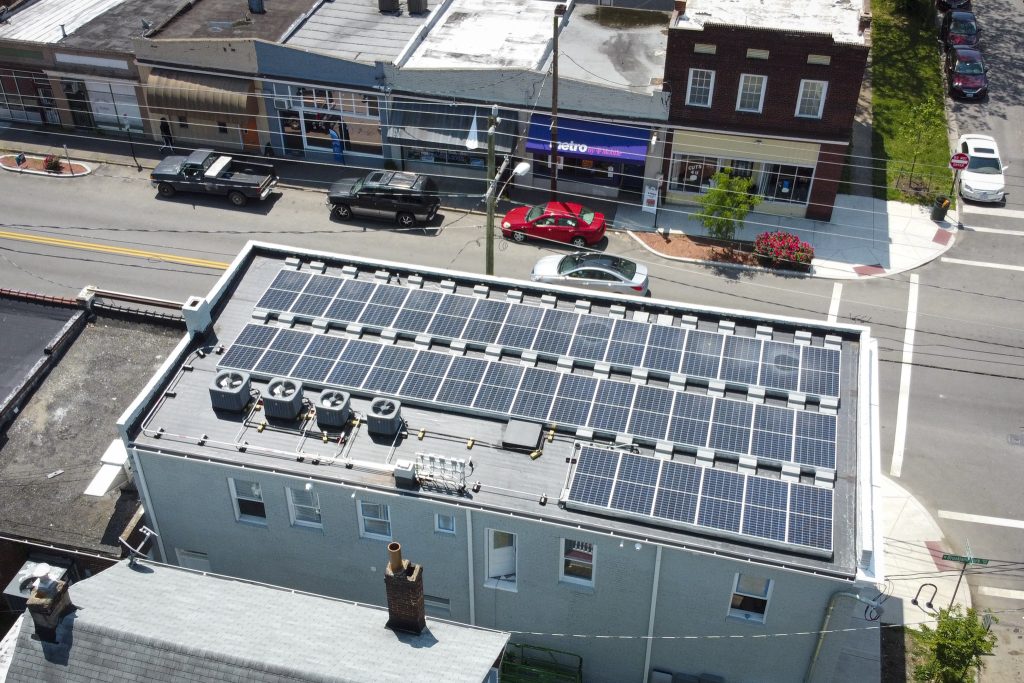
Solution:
(120, 251)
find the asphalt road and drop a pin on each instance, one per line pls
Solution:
(963, 422)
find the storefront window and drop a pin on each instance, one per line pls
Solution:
(691, 173)
(443, 156)
(787, 183)
(355, 117)
(594, 171)
(317, 129)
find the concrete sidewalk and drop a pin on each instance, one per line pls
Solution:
(866, 237)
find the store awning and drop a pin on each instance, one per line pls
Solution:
(588, 139)
(201, 95)
(429, 124)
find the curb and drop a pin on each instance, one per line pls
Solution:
(714, 264)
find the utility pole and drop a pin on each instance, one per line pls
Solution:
(559, 13)
(492, 123)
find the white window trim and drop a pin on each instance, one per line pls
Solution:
(292, 505)
(743, 615)
(239, 516)
(739, 93)
(568, 578)
(442, 530)
(363, 533)
(511, 585)
(821, 102)
(689, 89)
(437, 606)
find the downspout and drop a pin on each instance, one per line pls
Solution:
(874, 604)
(654, 608)
(469, 555)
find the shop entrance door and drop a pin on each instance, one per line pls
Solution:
(291, 129)
(78, 104)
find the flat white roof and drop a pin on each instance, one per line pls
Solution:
(41, 21)
(840, 18)
(482, 34)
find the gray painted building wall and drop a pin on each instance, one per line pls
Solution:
(693, 595)
(281, 61)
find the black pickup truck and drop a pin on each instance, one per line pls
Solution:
(207, 171)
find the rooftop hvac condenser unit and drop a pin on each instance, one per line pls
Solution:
(332, 409)
(283, 398)
(384, 417)
(230, 391)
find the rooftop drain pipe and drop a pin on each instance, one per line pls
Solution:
(875, 604)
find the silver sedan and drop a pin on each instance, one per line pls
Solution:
(591, 270)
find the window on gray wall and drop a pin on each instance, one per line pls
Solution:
(700, 87)
(444, 524)
(374, 520)
(304, 506)
(501, 560)
(750, 595)
(248, 500)
(577, 562)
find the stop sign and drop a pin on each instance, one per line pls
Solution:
(959, 161)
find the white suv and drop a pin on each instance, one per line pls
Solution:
(982, 180)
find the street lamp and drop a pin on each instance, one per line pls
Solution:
(492, 180)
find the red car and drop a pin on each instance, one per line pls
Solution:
(558, 221)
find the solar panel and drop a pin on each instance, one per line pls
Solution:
(462, 381)
(819, 371)
(573, 400)
(241, 357)
(780, 365)
(344, 310)
(651, 409)
(591, 340)
(664, 348)
(277, 299)
(815, 440)
(389, 371)
(703, 354)
(736, 505)
(612, 403)
(323, 285)
(451, 317)
(773, 433)
(730, 426)
(290, 341)
(291, 280)
(690, 417)
(325, 346)
(311, 305)
(555, 333)
(485, 324)
(741, 360)
(313, 369)
(499, 388)
(255, 335)
(276, 363)
(536, 393)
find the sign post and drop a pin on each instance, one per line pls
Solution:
(967, 560)
(957, 162)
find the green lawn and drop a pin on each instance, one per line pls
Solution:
(909, 121)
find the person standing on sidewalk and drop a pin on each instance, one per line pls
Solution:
(165, 131)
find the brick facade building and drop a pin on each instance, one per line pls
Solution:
(774, 103)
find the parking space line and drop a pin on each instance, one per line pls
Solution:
(903, 404)
(981, 264)
(1001, 592)
(833, 307)
(982, 519)
(991, 211)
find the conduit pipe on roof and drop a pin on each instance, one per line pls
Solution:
(874, 604)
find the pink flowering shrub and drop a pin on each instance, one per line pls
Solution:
(782, 249)
(53, 164)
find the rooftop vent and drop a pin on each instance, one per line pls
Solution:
(384, 417)
(388, 6)
(417, 6)
(332, 409)
(283, 398)
(256, 6)
(230, 391)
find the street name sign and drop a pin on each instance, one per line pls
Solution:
(965, 560)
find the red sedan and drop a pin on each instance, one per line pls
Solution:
(558, 221)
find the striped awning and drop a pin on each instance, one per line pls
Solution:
(199, 95)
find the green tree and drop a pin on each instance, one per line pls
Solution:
(953, 649)
(726, 204)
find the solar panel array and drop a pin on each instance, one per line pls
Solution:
(671, 493)
(587, 337)
(504, 389)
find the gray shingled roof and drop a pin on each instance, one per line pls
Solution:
(161, 623)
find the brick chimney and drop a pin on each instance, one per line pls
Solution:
(403, 582)
(48, 604)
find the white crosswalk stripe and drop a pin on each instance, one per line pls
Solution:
(968, 210)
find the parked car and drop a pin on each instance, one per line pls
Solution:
(558, 221)
(966, 73)
(406, 198)
(946, 5)
(982, 180)
(209, 172)
(592, 270)
(959, 28)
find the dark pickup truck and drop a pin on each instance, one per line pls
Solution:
(209, 172)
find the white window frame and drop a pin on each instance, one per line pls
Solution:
(442, 527)
(736, 610)
(690, 101)
(497, 560)
(364, 518)
(569, 545)
(821, 100)
(739, 94)
(294, 507)
(193, 559)
(250, 491)
(437, 606)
